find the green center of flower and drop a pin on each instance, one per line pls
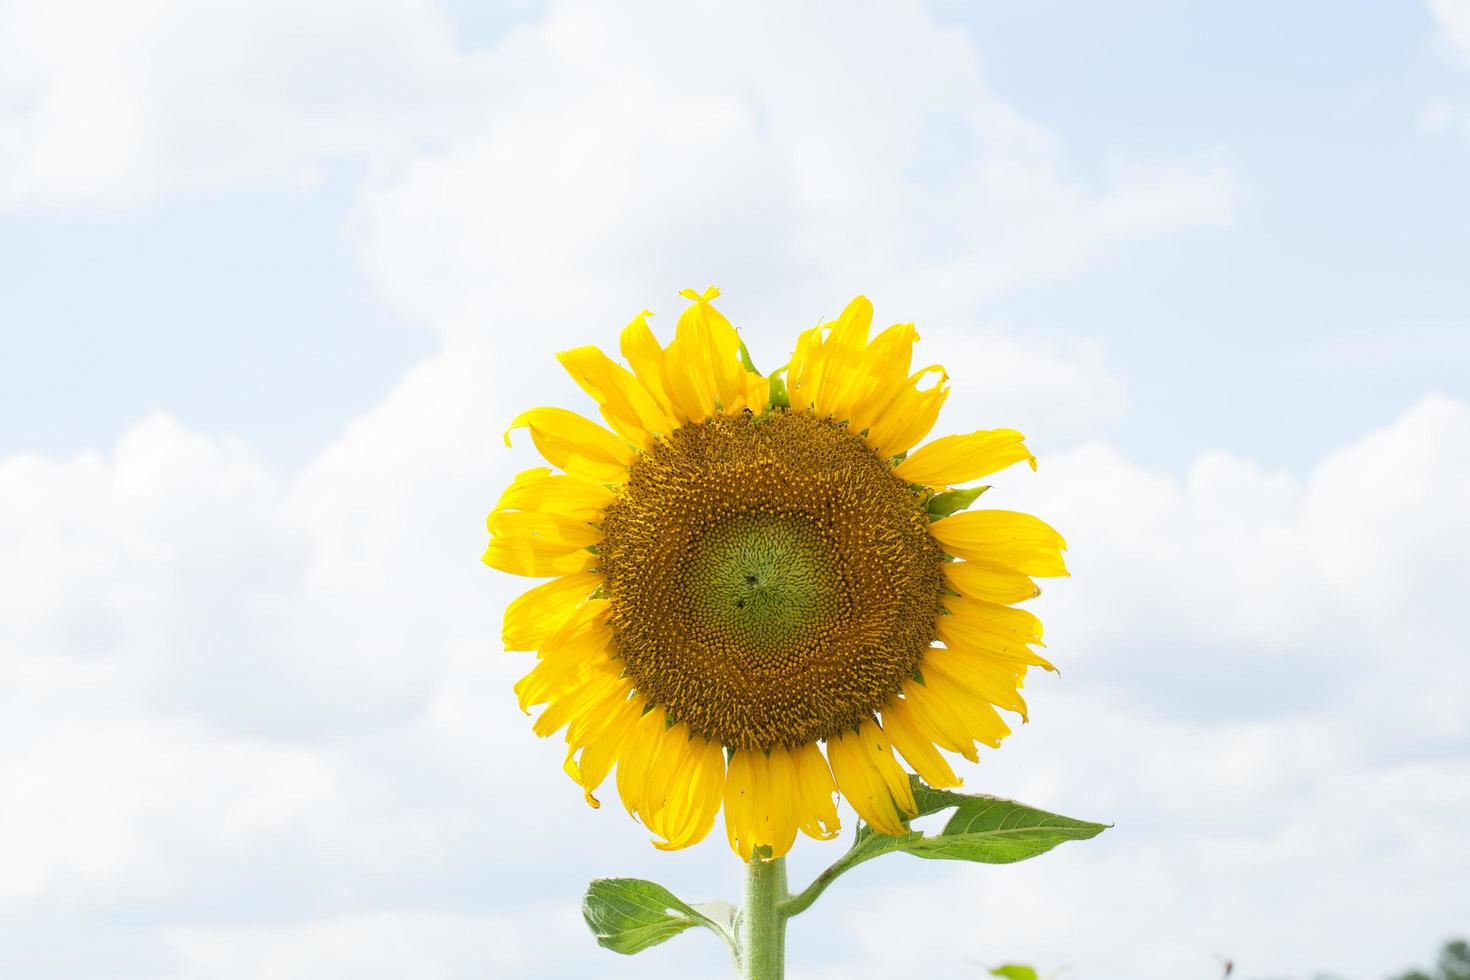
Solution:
(770, 580)
(765, 586)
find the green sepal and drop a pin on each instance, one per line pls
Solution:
(745, 359)
(944, 504)
(628, 915)
(1014, 971)
(779, 396)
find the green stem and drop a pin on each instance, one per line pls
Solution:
(800, 903)
(764, 925)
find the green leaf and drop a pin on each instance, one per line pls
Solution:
(985, 829)
(628, 915)
(944, 504)
(991, 830)
(1014, 971)
(931, 800)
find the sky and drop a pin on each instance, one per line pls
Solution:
(277, 275)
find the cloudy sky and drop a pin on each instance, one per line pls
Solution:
(274, 276)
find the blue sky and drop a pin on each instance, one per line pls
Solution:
(278, 274)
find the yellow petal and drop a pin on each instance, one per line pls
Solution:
(960, 459)
(966, 637)
(536, 558)
(880, 754)
(600, 748)
(972, 718)
(818, 813)
(1003, 537)
(723, 345)
(757, 392)
(803, 374)
(842, 378)
(784, 800)
(701, 369)
(589, 622)
(581, 647)
(641, 349)
(910, 415)
(577, 700)
(993, 680)
(565, 678)
(932, 717)
(642, 744)
(551, 529)
(992, 616)
(1002, 632)
(864, 779)
(932, 723)
(626, 404)
(740, 821)
(993, 583)
(885, 369)
(914, 747)
(701, 783)
(539, 489)
(762, 832)
(577, 445)
(536, 614)
(661, 784)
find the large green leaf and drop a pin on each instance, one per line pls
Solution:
(991, 830)
(985, 829)
(628, 915)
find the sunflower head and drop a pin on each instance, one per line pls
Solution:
(747, 569)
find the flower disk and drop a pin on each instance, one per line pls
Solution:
(771, 582)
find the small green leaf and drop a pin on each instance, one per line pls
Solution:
(944, 504)
(1014, 971)
(628, 915)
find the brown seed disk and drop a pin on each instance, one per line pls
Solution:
(770, 580)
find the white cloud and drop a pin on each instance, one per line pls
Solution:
(1057, 389)
(388, 944)
(1437, 116)
(105, 103)
(1263, 686)
(1442, 115)
(624, 154)
(1454, 20)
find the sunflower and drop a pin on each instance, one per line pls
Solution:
(745, 569)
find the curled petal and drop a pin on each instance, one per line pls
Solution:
(910, 415)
